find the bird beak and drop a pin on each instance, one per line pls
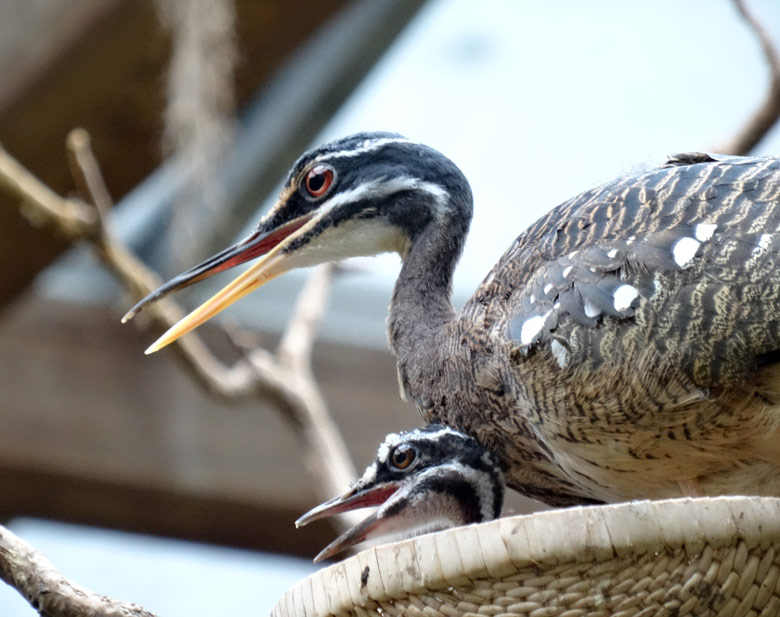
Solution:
(360, 496)
(265, 243)
(363, 530)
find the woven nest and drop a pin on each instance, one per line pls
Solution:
(713, 556)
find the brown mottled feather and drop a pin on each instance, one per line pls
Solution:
(674, 392)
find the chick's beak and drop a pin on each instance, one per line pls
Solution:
(267, 243)
(357, 497)
(352, 536)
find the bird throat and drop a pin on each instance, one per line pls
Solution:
(421, 306)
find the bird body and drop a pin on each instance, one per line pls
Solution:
(622, 347)
(625, 346)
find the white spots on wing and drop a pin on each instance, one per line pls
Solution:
(566, 271)
(704, 231)
(532, 299)
(612, 254)
(573, 254)
(761, 247)
(590, 310)
(624, 296)
(684, 251)
(557, 305)
(548, 289)
(630, 239)
(560, 353)
(531, 329)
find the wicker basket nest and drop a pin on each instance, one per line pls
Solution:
(711, 556)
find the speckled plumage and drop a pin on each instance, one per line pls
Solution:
(625, 346)
(675, 393)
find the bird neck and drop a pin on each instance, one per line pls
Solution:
(421, 305)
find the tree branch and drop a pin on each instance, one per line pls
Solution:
(767, 114)
(49, 592)
(85, 170)
(283, 378)
(41, 205)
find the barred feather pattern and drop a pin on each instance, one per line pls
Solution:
(625, 346)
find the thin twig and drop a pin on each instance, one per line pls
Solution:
(48, 591)
(73, 218)
(295, 346)
(767, 114)
(85, 169)
(283, 379)
(317, 428)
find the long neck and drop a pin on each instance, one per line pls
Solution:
(421, 305)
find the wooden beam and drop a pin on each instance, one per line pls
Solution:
(93, 431)
(111, 80)
(154, 510)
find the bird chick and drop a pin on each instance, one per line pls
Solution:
(423, 480)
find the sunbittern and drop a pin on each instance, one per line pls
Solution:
(422, 480)
(625, 346)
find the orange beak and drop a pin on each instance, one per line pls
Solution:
(359, 496)
(266, 244)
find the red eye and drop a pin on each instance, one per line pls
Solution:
(318, 180)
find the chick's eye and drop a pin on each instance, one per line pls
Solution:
(403, 456)
(318, 180)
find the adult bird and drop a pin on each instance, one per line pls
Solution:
(625, 346)
(422, 480)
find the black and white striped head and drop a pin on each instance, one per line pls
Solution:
(422, 480)
(364, 194)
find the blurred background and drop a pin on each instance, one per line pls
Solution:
(131, 478)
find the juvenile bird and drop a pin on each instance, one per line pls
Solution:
(625, 346)
(422, 480)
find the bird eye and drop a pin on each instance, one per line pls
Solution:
(318, 180)
(403, 456)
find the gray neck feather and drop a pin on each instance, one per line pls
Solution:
(421, 305)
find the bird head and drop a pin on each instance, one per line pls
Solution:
(364, 194)
(422, 480)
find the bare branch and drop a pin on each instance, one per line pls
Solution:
(766, 116)
(49, 592)
(317, 428)
(42, 205)
(296, 344)
(283, 379)
(85, 170)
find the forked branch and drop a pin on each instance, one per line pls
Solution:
(761, 121)
(283, 378)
